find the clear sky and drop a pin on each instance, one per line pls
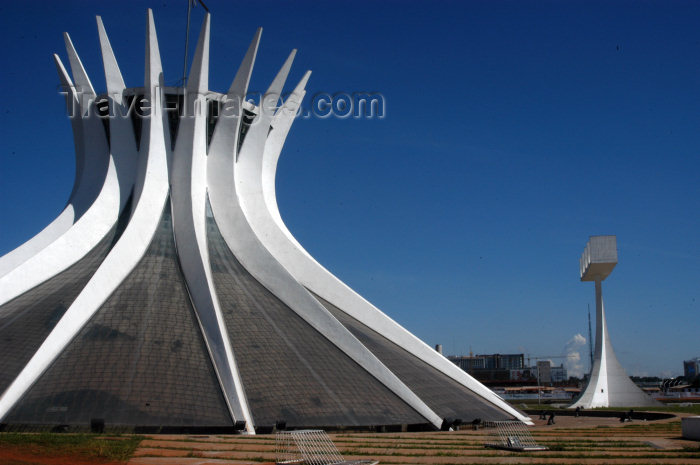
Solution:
(513, 131)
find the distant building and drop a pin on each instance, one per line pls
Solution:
(467, 363)
(559, 374)
(525, 375)
(511, 361)
(509, 369)
(691, 368)
(551, 374)
(493, 367)
(544, 371)
(491, 361)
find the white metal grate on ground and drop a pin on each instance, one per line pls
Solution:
(513, 435)
(310, 447)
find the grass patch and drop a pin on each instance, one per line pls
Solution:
(668, 408)
(114, 448)
(589, 443)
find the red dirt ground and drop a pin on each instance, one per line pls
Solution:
(14, 455)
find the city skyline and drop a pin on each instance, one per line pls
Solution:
(512, 133)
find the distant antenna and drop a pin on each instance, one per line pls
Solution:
(590, 336)
(190, 4)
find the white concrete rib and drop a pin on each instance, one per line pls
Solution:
(99, 182)
(189, 194)
(94, 160)
(122, 139)
(90, 166)
(260, 263)
(68, 215)
(130, 248)
(46, 236)
(86, 93)
(258, 198)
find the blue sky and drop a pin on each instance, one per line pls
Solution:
(513, 131)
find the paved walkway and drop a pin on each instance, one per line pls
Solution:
(580, 440)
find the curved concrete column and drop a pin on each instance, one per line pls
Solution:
(130, 248)
(233, 218)
(281, 124)
(95, 162)
(256, 187)
(91, 163)
(99, 175)
(189, 194)
(122, 142)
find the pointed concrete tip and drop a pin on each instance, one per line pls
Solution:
(154, 68)
(100, 27)
(255, 43)
(113, 75)
(278, 83)
(302, 83)
(63, 76)
(82, 81)
(69, 45)
(206, 21)
(239, 86)
(70, 48)
(198, 80)
(66, 83)
(150, 23)
(59, 66)
(256, 37)
(290, 58)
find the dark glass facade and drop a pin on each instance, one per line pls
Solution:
(28, 319)
(442, 394)
(289, 370)
(141, 360)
